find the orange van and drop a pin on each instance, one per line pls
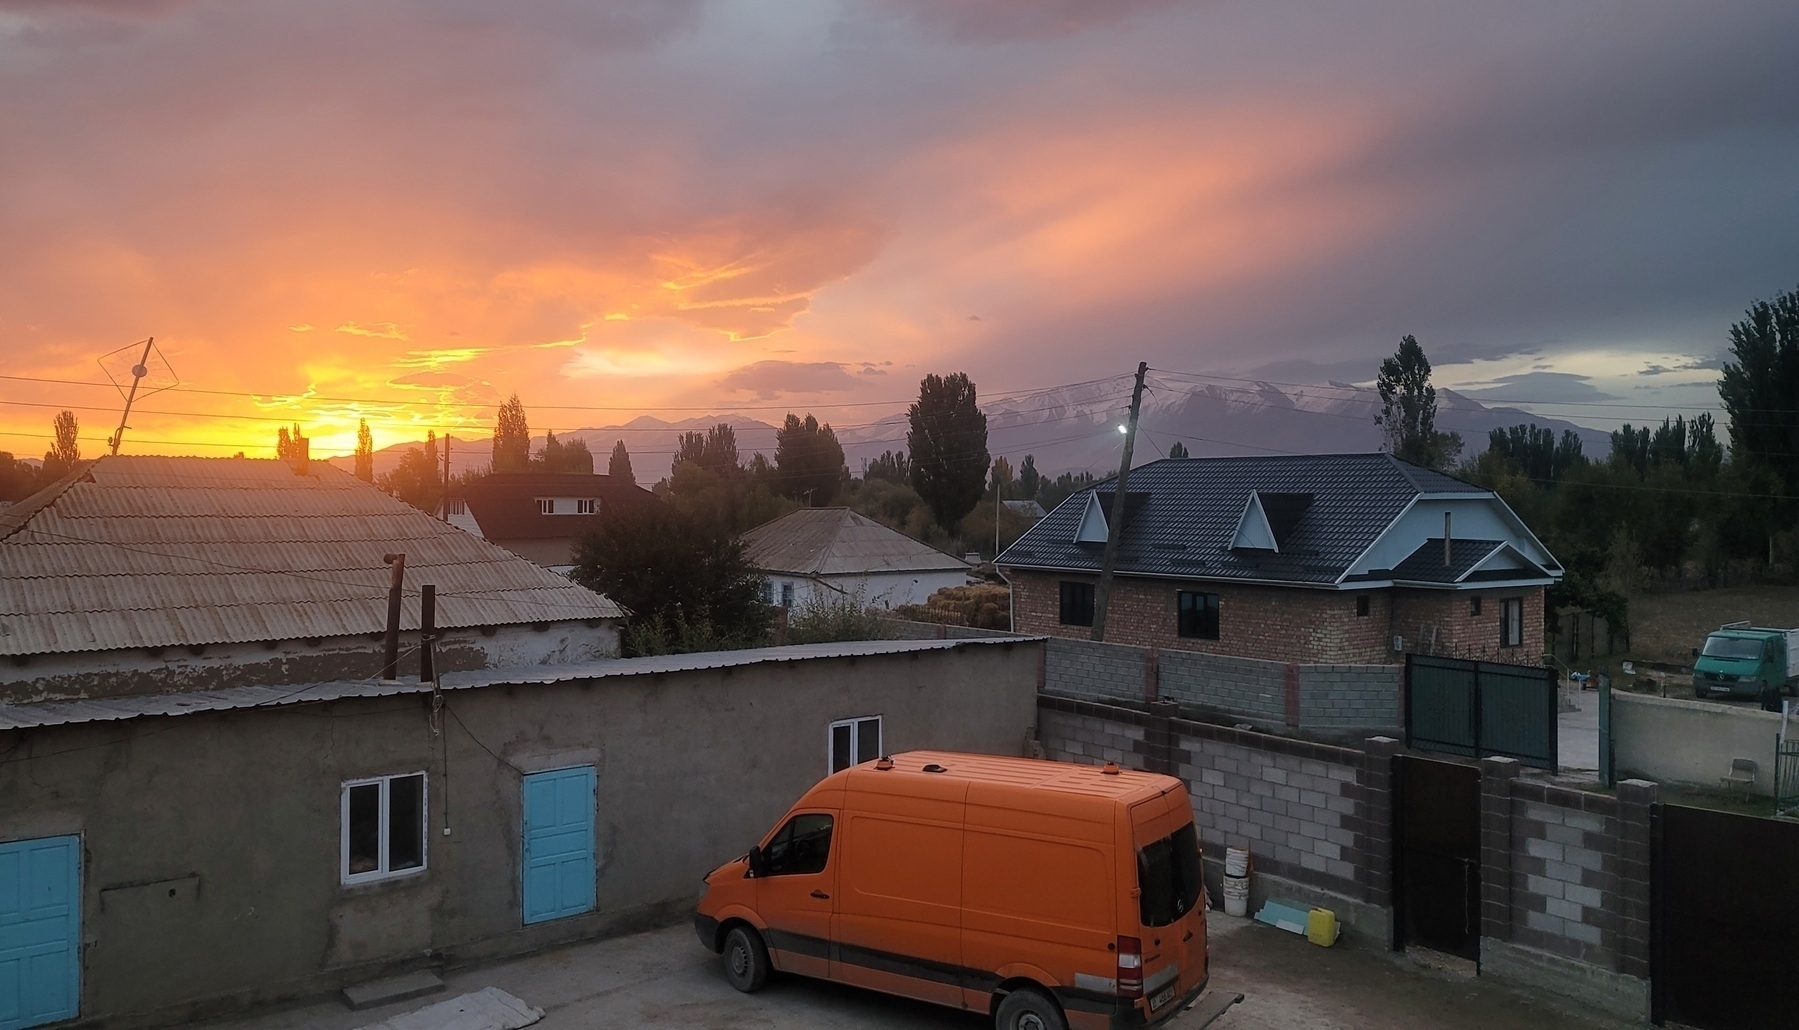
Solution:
(1046, 894)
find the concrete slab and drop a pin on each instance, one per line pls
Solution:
(487, 1009)
(386, 992)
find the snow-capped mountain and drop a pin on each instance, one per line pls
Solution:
(1076, 427)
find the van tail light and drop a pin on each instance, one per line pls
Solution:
(1130, 967)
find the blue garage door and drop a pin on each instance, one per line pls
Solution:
(559, 862)
(40, 921)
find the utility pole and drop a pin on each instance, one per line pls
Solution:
(1115, 522)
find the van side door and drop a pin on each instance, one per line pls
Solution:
(793, 893)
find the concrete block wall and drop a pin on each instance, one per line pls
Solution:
(1069, 734)
(1237, 686)
(1271, 694)
(1293, 804)
(1351, 696)
(1300, 808)
(1083, 668)
(1565, 889)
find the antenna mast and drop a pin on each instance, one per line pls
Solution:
(140, 370)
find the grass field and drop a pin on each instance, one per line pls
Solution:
(1666, 627)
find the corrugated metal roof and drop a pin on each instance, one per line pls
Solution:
(63, 713)
(143, 551)
(839, 542)
(1185, 525)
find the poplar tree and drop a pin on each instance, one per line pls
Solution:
(948, 447)
(511, 438)
(365, 452)
(619, 465)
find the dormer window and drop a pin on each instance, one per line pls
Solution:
(546, 506)
(587, 506)
(1268, 520)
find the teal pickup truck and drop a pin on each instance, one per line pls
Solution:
(1743, 661)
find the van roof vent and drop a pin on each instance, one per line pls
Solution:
(885, 763)
(1109, 769)
(934, 767)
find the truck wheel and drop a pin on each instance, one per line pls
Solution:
(746, 959)
(1028, 1010)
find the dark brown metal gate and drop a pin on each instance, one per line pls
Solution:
(1436, 844)
(1725, 920)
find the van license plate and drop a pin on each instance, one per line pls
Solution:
(1163, 997)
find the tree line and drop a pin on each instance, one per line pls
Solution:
(1667, 502)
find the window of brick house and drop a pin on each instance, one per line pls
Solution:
(1361, 605)
(1511, 622)
(1198, 615)
(1077, 604)
(1474, 605)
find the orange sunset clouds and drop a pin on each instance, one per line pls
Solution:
(405, 211)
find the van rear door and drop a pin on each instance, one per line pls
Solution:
(1170, 917)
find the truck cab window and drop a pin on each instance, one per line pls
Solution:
(802, 846)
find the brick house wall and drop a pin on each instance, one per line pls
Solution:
(1460, 631)
(1287, 624)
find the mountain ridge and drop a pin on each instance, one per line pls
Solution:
(1074, 428)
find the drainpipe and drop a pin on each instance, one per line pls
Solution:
(390, 669)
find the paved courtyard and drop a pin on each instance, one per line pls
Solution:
(664, 978)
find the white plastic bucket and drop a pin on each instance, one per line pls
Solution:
(1236, 862)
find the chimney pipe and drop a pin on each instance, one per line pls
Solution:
(390, 669)
(302, 455)
(1447, 543)
(427, 631)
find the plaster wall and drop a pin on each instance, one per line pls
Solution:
(211, 841)
(1671, 740)
(115, 673)
(886, 590)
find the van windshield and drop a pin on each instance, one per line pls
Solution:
(1168, 874)
(1731, 647)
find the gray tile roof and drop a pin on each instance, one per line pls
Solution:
(1425, 565)
(839, 542)
(63, 713)
(1184, 528)
(138, 551)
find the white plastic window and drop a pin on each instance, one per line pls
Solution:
(854, 741)
(383, 827)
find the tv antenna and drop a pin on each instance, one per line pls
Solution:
(149, 364)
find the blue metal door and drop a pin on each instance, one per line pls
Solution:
(559, 860)
(40, 927)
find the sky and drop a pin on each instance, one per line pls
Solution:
(405, 211)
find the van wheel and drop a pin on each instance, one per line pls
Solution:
(746, 959)
(1028, 1010)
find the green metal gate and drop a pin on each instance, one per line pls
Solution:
(1786, 778)
(1477, 709)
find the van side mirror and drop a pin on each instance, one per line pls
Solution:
(758, 861)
